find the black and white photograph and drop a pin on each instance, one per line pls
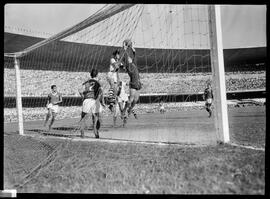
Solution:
(134, 99)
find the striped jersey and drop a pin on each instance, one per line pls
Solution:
(111, 96)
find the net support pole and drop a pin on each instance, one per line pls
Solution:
(18, 95)
(218, 74)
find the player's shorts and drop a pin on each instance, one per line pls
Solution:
(91, 106)
(209, 101)
(54, 108)
(112, 77)
(123, 97)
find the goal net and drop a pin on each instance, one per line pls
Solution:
(173, 58)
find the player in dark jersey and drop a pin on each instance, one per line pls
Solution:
(208, 97)
(92, 105)
(129, 59)
(54, 98)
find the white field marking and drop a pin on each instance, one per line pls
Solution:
(247, 147)
(38, 120)
(9, 193)
(108, 140)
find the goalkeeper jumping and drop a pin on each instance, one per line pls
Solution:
(129, 61)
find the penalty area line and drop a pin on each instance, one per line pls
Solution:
(112, 140)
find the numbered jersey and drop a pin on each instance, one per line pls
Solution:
(93, 90)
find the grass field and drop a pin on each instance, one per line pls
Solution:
(47, 164)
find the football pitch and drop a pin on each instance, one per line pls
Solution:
(131, 160)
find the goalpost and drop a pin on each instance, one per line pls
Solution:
(106, 30)
(217, 63)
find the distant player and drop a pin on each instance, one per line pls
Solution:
(134, 83)
(161, 107)
(54, 98)
(208, 97)
(92, 105)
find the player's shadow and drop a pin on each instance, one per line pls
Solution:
(37, 130)
(179, 118)
(248, 115)
(64, 128)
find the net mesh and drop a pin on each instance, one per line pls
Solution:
(172, 49)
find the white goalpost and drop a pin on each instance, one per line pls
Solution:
(111, 25)
(18, 96)
(217, 64)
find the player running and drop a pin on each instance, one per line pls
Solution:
(134, 84)
(54, 98)
(208, 97)
(92, 103)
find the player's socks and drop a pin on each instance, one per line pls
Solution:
(134, 113)
(124, 121)
(129, 112)
(98, 125)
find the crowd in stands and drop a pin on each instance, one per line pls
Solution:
(36, 83)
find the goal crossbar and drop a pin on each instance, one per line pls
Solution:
(99, 16)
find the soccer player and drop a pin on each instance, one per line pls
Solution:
(123, 98)
(113, 80)
(92, 105)
(161, 107)
(54, 98)
(115, 63)
(208, 97)
(134, 83)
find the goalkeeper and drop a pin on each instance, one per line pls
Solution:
(135, 85)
